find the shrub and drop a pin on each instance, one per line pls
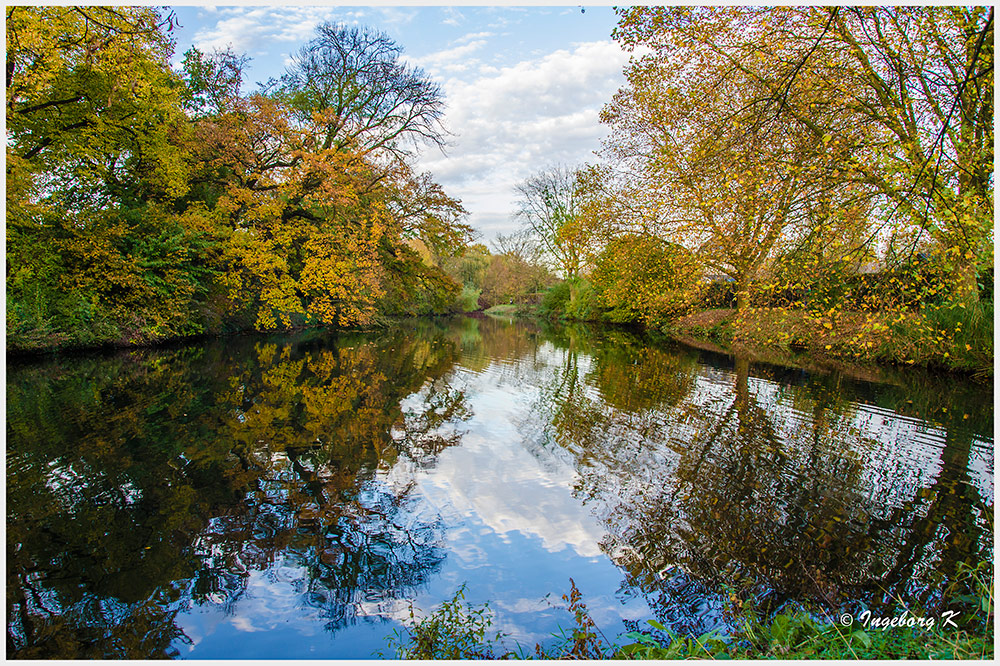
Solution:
(455, 630)
(468, 299)
(583, 303)
(554, 301)
(645, 279)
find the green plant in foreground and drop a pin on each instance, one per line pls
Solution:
(457, 630)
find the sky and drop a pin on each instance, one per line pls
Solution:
(523, 86)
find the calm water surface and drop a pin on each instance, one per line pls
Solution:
(293, 496)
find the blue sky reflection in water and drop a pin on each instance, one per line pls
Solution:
(514, 534)
(289, 496)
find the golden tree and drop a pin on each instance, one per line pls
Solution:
(904, 96)
(709, 172)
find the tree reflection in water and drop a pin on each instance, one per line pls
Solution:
(146, 483)
(764, 481)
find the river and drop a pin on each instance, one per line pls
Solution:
(295, 495)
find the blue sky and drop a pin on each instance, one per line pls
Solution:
(523, 85)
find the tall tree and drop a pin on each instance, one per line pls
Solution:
(318, 187)
(904, 94)
(730, 185)
(548, 208)
(356, 91)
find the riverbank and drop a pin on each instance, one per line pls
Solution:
(952, 338)
(944, 339)
(948, 339)
(140, 338)
(512, 310)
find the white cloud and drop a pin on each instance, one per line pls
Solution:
(245, 28)
(473, 36)
(511, 121)
(512, 491)
(455, 17)
(455, 59)
(397, 16)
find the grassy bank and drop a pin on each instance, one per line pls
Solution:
(457, 630)
(942, 338)
(946, 338)
(909, 318)
(512, 310)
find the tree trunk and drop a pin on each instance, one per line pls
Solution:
(742, 292)
(965, 287)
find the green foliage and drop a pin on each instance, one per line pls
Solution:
(797, 634)
(555, 301)
(213, 81)
(674, 646)
(469, 269)
(124, 277)
(951, 335)
(455, 630)
(414, 288)
(468, 299)
(583, 304)
(643, 278)
(574, 299)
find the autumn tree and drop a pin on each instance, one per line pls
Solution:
(645, 279)
(517, 267)
(904, 94)
(724, 183)
(318, 190)
(509, 279)
(146, 203)
(548, 208)
(95, 249)
(213, 80)
(90, 104)
(424, 211)
(924, 78)
(351, 85)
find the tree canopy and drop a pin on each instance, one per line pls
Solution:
(894, 103)
(145, 203)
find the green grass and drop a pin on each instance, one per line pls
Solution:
(510, 310)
